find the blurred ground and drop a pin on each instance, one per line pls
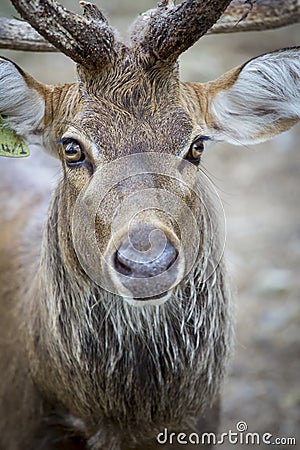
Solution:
(260, 188)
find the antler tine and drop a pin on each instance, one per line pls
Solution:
(254, 15)
(92, 11)
(18, 35)
(173, 30)
(87, 40)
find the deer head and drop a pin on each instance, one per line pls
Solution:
(129, 125)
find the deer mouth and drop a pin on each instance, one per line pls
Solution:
(153, 297)
(154, 300)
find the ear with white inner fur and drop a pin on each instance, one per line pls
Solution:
(256, 101)
(22, 104)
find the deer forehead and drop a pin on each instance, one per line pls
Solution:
(130, 110)
(120, 134)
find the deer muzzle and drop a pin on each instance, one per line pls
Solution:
(146, 264)
(135, 226)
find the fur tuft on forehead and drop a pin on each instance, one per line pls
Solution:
(131, 74)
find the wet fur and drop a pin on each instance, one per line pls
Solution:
(104, 371)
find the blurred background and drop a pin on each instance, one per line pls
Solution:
(260, 190)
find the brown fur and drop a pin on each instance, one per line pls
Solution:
(80, 368)
(75, 378)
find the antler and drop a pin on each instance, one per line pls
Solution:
(18, 35)
(170, 30)
(254, 15)
(165, 32)
(86, 39)
(173, 29)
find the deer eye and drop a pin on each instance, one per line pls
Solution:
(196, 149)
(74, 153)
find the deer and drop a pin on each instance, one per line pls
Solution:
(116, 317)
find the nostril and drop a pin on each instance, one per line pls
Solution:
(172, 256)
(168, 257)
(121, 265)
(132, 263)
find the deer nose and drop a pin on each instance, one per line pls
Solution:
(147, 253)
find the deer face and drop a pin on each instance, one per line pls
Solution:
(125, 176)
(134, 204)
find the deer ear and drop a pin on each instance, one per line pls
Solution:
(22, 101)
(256, 101)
